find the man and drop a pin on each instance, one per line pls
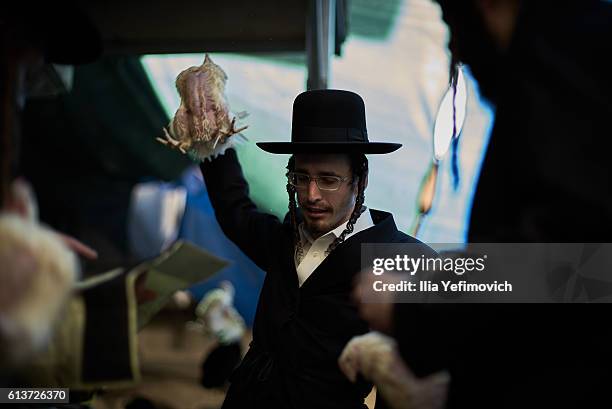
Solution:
(305, 314)
(545, 178)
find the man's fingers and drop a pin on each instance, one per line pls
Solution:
(78, 247)
(435, 389)
(375, 356)
(363, 354)
(348, 361)
(438, 378)
(437, 383)
(346, 365)
(360, 283)
(143, 294)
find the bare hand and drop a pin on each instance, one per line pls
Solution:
(375, 307)
(78, 246)
(22, 202)
(142, 293)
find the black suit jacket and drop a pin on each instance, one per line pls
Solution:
(299, 332)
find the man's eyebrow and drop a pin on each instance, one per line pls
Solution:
(328, 174)
(324, 173)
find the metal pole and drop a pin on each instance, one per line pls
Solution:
(320, 41)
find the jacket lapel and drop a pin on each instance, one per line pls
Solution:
(344, 263)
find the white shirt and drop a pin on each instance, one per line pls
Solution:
(314, 250)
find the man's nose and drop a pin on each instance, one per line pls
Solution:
(313, 191)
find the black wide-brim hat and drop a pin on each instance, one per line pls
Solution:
(329, 121)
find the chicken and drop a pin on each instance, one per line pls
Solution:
(201, 123)
(376, 357)
(38, 272)
(217, 316)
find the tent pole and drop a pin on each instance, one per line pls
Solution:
(320, 42)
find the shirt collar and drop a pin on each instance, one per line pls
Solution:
(363, 222)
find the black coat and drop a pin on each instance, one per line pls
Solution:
(299, 332)
(545, 178)
(546, 174)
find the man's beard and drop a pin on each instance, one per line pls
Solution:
(317, 229)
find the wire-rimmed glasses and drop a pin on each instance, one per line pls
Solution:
(328, 182)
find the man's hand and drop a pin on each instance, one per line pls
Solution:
(142, 293)
(375, 356)
(375, 307)
(78, 246)
(22, 202)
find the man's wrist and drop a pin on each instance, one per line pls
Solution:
(220, 149)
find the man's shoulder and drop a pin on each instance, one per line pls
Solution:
(395, 235)
(401, 237)
(383, 218)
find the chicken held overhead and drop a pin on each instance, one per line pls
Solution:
(202, 121)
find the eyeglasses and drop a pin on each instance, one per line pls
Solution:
(302, 181)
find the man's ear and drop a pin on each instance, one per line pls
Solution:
(500, 18)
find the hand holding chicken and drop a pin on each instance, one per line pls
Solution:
(375, 356)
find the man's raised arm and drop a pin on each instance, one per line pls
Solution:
(251, 230)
